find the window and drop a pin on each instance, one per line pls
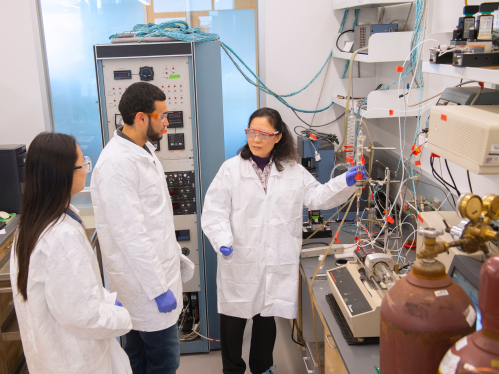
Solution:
(236, 23)
(71, 28)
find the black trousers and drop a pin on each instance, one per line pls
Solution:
(263, 338)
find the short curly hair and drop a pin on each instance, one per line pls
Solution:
(139, 97)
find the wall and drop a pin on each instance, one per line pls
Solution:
(21, 100)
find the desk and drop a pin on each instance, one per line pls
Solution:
(11, 350)
(357, 359)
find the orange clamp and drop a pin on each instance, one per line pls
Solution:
(390, 112)
(417, 163)
(390, 219)
(399, 69)
(443, 117)
(336, 238)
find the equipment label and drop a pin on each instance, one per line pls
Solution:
(449, 363)
(461, 343)
(470, 315)
(492, 160)
(441, 293)
(494, 150)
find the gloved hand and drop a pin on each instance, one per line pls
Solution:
(226, 251)
(117, 303)
(351, 175)
(166, 302)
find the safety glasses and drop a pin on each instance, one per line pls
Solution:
(87, 165)
(162, 117)
(262, 135)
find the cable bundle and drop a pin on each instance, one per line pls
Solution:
(176, 29)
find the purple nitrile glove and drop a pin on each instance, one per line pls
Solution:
(351, 175)
(117, 303)
(166, 302)
(226, 251)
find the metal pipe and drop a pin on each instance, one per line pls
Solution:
(378, 287)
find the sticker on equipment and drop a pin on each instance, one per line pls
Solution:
(441, 293)
(449, 363)
(461, 343)
(470, 315)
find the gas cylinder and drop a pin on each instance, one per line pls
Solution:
(479, 352)
(422, 316)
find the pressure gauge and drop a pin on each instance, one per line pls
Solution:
(491, 206)
(470, 206)
(146, 73)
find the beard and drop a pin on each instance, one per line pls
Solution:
(151, 134)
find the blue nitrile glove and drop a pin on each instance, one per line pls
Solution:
(117, 303)
(226, 251)
(166, 302)
(351, 175)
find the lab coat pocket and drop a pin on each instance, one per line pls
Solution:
(282, 283)
(243, 266)
(187, 268)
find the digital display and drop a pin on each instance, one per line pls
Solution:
(183, 235)
(175, 119)
(175, 206)
(123, 74)
(177, 138)
(173, 192)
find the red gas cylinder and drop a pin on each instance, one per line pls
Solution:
(422, 316)
(479, 352)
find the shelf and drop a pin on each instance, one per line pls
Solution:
(347, 4)
(379, 104)
(383, 47)
(488, 75)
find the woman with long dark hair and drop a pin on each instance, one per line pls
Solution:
(252, 215)
(68, 320)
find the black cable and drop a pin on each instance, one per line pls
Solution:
(450, 174)
(338, 39)
(437, 177)
(405, 266)
(441, 179)
(469, 181)
(293, 334)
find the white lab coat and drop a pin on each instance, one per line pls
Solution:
(134, 220)
(265, 230)
(69, 322)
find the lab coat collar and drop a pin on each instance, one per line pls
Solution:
(135, 147)
(246, 169)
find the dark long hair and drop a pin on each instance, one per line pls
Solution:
(48, 178)
(285, 150)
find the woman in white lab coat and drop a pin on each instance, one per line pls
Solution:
(253, 217)
(68, 321)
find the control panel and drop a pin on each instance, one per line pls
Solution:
(182, 190)
(171, 75)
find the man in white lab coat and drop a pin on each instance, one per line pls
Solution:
(134, 220)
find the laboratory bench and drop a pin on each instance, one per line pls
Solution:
(11, 349)
(337, 356)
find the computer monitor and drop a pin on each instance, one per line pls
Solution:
(465, 271)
